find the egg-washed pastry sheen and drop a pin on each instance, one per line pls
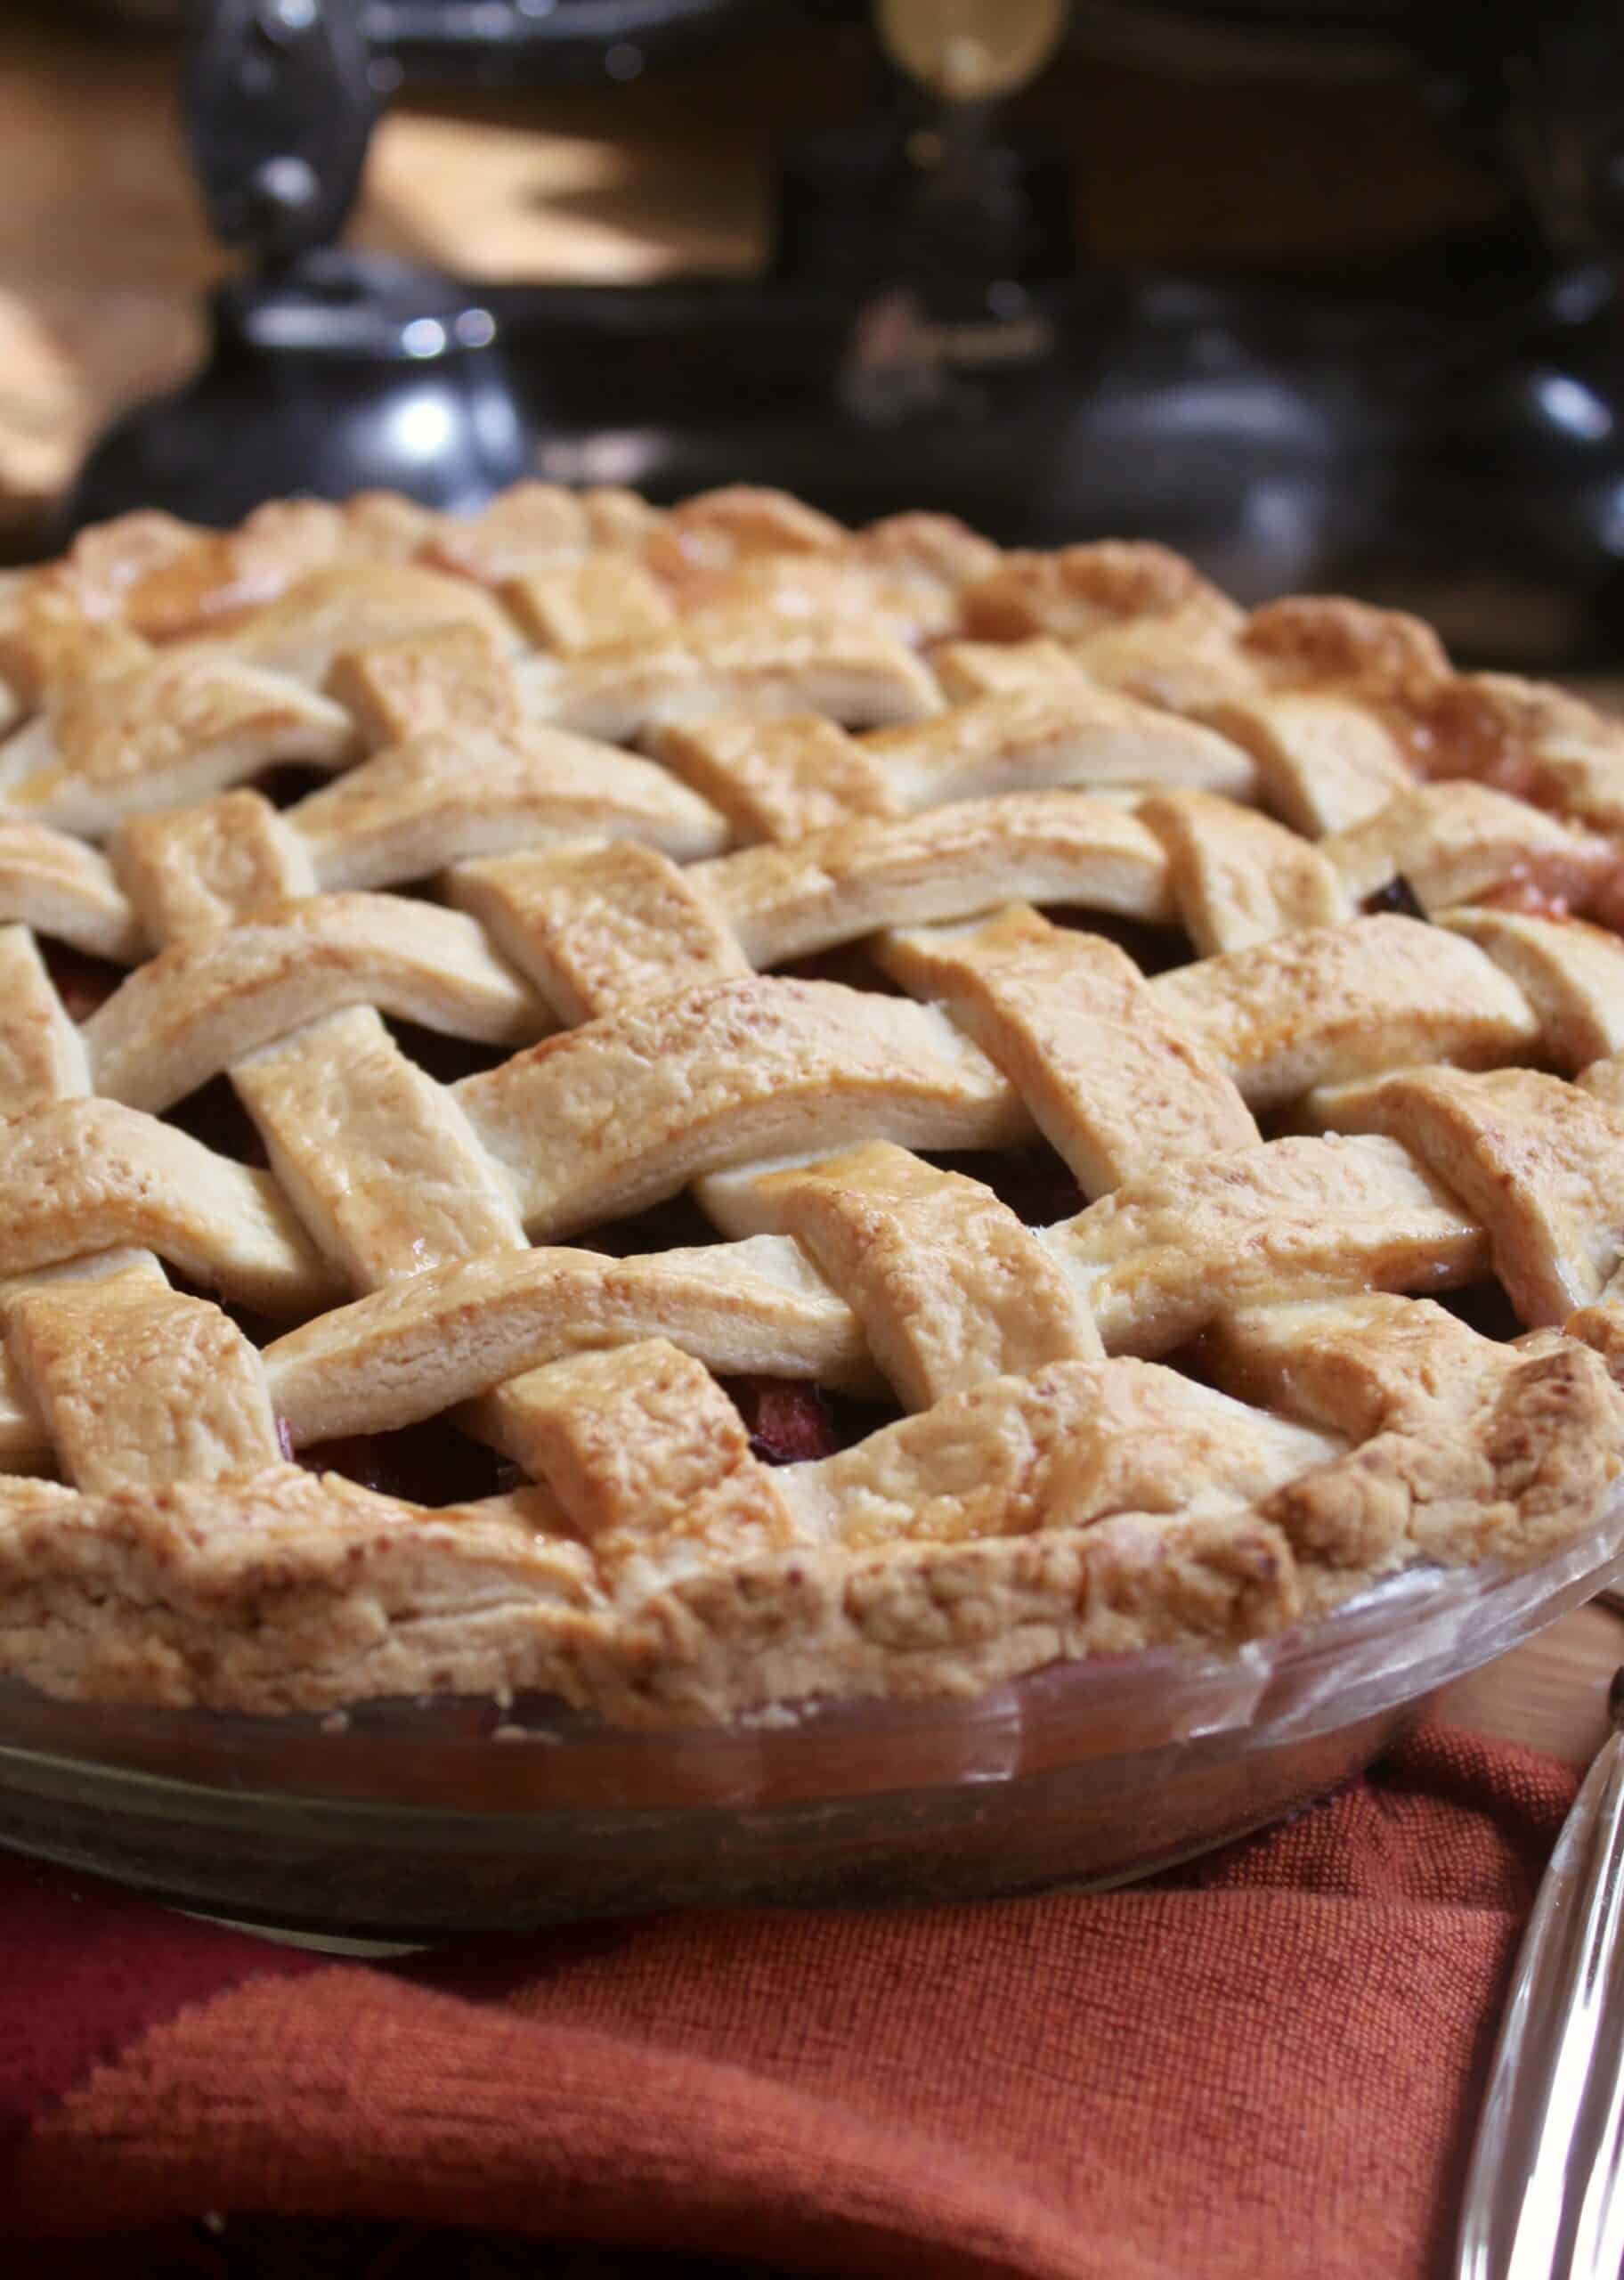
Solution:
(689, 1109)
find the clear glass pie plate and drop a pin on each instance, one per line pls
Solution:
(416, 1819)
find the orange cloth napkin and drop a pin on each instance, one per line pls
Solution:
(1268, 2063)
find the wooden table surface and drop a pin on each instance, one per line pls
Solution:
(1551, 1693)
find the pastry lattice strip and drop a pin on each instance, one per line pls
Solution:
(121, 727)
(1337, 701)
(926, 1379)
(1488, 1019)
(392, 1107)
(864, 1218)
(1093, 1507)
(124, 1380)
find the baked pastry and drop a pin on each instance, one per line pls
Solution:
(691, 1111)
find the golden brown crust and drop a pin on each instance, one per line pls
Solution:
(732, 662)
(1080, 587)
(528, 526)
(210, 999)
(221, 576)
(777, 779)
(648, 1460)
(138, 1385)
(1525, 736)
(285, 1591)
(952, 862)
(195, 869)
(291, 1592)
(443, 797)
(826, 759)
(1036, 736)
(1171, 1248)
(1236, 876)
(81, 1175)
(57, 885)
(1537, 1163)
(600, 926)
(1571, 974)
(1491, 1465)
(422, 1343)
(600, 602)
(1109, 1083)
(42, 1054)
(1460, 842)
(1333, 1003)
(948, 1286)
(1319, 638)
(351, 605)
(153, 732)
(451, 677)
(376, 1158)
(1325, 759)
(623, 1112)
(719, 530)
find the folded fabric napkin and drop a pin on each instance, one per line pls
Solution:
(1268, 2063)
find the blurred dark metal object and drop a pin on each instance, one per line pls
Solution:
(327, 370)
(495, 42)
(1447, 437)
(460, 42)
(338, 373)
(1314, 41)
(278, 110)
(1445, 442)
(137, 15)
(1538, 86)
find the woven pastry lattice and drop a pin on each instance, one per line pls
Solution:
(874, 1113)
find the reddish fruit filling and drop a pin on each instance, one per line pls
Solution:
(433, 1465)
(1034, 1182)
(1606, 904)
(288, 782)
(1457, 735)
(676, 1224)
(430, 1463)
(1397, 896)
(793, 1423)
(214, 1115)
(1154, 950)
(847, 962)
(1484, 1307)
(81, 982)
(446, 1059)
(788, 1423)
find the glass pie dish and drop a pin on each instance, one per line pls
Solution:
(847, 1151)
(416, 1821)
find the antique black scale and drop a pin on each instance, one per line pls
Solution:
(1449, 435)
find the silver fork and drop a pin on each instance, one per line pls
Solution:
(1545, 2194)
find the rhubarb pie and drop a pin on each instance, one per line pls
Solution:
(692, 1110)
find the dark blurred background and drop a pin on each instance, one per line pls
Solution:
(1326, 295)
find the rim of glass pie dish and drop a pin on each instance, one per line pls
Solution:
(424, 1818)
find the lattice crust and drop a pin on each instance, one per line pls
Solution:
(42, 1054)
(947, 1284)
(140, 1385)
(1216, 1399)
(1109, 1083)
(158, 731)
